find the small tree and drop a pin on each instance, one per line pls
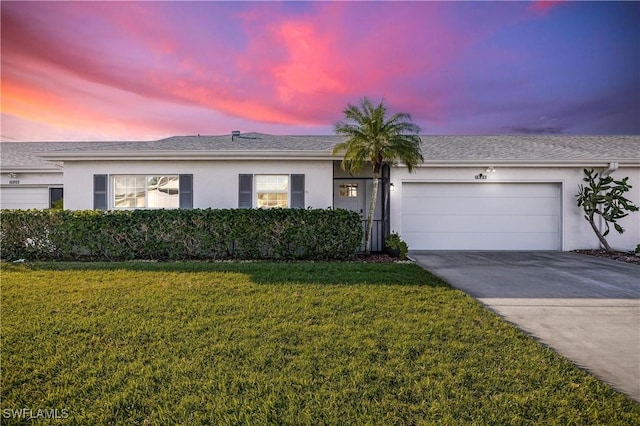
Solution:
(604, 197)
(373, 138)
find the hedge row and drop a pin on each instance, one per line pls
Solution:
(179, 234)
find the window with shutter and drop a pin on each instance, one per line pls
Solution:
(245, 193)
(297, 191)
(186, 191)
(100, 192)
(269, 191)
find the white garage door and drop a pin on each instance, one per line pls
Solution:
(481, 216)
(24, 198)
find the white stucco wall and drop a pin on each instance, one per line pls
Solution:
(215, 183)
(576, 232)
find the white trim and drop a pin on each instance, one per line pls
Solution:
(584, 163)
(318, 155)
(30, 185)
(31, 169)
(480, 182)
(188, 155)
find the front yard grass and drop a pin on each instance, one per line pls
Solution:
(276, 343)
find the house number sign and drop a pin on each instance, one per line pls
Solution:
(481, 176)
(14, 182)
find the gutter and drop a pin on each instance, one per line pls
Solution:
(298, 155)
(630, 162)
(30, 169)
(185, 155)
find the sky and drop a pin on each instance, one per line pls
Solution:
(148, 70)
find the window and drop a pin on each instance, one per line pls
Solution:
(272, 191)
(55, 198)
(267, 191)
(130, 192)
(139, 191)
(348, 190)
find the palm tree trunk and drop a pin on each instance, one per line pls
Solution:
(372, 209)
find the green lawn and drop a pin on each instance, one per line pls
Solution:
(276, 343)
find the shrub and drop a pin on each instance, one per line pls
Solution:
(396, 246)
(205, 234)
(603, 196)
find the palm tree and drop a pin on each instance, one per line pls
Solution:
(373, 139)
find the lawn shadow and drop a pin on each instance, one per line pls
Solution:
(313, 273)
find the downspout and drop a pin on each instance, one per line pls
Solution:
(613, 166)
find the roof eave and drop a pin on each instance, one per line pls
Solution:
(31, 169)
(301, 155)
(632, 162)
(186, 155)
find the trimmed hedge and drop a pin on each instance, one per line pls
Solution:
(179, 234)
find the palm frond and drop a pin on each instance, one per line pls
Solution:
(372, 137)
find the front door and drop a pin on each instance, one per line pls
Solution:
(349, 194)
(353, 194)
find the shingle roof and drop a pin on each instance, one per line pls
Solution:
(531, 147)
(255, 142)
(504, 148)
(23, 154)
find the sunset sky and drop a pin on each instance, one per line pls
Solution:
(148, 70)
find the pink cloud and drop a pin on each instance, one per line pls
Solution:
(297, 57)
(287, 58)
(306, 71)
(542, 7)
(177, 66)
(325, 56)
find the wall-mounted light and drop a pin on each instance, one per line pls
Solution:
(490, 169)
(12, 175)
(392, 187)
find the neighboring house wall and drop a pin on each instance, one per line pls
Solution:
(575, 230)
(27, 190)
(215, 182)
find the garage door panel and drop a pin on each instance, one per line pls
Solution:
(24, 198)
(481, 216)
(479, 241)
(494, 224)
(493, 205)
(478, 190)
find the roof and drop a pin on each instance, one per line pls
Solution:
(538, 149)
(246, 142)
(532, 148)
(22, 155)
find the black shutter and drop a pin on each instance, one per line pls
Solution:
(245, 193)
(100, 192)
(186, 191)
(297, 191)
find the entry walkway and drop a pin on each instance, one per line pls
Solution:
(584, 307)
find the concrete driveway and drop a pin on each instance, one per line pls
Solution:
(584, 307)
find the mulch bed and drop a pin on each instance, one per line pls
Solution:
(375, 258)
(628, 257)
